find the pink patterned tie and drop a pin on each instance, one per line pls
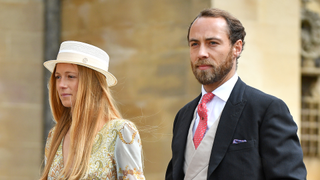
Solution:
(202, 112)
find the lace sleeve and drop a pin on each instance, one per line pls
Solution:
(128, 153)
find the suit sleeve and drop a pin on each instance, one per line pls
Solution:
(169, 172)
(280, 150)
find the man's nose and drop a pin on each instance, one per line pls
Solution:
(203, 52)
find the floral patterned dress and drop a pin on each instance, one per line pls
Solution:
(116, 153)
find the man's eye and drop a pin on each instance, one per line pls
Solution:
(212, 42)
(193, 44)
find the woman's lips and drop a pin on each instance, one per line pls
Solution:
(65, 95)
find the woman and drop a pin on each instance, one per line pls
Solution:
(90, 139)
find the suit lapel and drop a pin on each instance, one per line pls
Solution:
(227, 125)
(183, 124)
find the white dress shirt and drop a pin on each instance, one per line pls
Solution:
(216, 105)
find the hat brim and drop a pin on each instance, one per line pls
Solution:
(110, 78)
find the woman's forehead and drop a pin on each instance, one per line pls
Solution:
(66, 67)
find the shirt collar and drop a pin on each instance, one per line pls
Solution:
(223, 92)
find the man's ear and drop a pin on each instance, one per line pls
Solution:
(237, 48)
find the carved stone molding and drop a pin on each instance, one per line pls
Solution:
(310, 37)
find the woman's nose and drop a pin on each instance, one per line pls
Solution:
(62, 83)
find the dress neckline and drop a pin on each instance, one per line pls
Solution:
(61, 144)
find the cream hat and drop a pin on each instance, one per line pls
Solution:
(83, 54)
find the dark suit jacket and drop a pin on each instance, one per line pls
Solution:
(272, 150)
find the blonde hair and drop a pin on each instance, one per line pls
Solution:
(93, 101)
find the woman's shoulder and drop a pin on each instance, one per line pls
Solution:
(127, 132)
(51, 132)
(120, 124)
(49, 139)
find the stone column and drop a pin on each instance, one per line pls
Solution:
(52, 42)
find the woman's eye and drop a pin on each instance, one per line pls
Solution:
(57, 77)
(71, 76)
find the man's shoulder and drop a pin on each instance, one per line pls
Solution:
(252, 94)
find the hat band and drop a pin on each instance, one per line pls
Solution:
(73, 58)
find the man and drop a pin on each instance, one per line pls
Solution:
(231, 131)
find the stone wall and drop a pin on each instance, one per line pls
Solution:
(146, 41)
(21, 40)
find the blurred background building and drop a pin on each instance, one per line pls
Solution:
(146, 41)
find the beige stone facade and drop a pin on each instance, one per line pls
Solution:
(146, 41)
(21, 41)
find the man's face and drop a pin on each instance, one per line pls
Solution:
(211, 53)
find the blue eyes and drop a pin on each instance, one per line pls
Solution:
(193, 44)
(210, 43)
(69, 76)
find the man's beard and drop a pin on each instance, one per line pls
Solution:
(214, 74)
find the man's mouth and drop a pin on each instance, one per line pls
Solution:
(204, 66)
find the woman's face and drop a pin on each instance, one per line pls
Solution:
(67, 79)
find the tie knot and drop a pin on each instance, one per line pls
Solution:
(207, 97)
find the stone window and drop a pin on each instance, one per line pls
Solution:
(310, 126)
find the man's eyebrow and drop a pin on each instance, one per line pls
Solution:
(190, 40)
(213, 38)
(207, 39)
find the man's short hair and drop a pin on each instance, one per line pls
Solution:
(235, 29)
